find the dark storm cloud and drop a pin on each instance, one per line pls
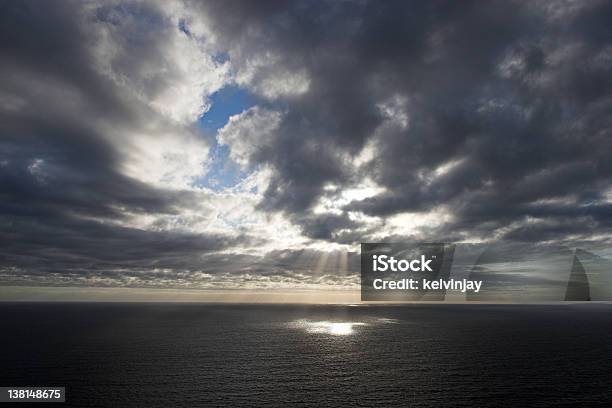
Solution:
(84, 249)
(517, 94)
(65, 128)
(54, 159)
(497, 113)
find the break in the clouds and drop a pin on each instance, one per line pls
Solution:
(254, 144)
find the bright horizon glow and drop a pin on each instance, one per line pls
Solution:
(114, 294)
(135, 295)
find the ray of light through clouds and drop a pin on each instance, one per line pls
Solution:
(253, 145)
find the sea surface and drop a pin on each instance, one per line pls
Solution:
(198, 355)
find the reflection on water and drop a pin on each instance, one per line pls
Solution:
(385, 320)
(376, 356)
(327, 327)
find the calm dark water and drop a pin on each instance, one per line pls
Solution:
(164, 355)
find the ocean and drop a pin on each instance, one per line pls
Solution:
(249, 355)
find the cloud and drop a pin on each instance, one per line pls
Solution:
(370, 121)
(97, 131)
(485, 109)
(249, 133)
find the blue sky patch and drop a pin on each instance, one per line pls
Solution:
(224, 172)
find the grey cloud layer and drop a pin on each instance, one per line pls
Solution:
(67, 130)
(517, 95)
(495, 113)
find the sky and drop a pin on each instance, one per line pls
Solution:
(251, 146)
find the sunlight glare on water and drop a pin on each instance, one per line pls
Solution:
(327, 327)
